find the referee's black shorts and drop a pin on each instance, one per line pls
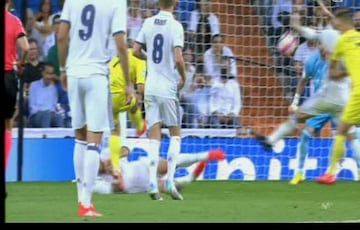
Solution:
(11, 90)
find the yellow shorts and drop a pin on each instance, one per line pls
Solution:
(351, 114)
(119, 105)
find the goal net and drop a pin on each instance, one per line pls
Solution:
(265, 83)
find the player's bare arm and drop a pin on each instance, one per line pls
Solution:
(337, 70)
(324, 8)
(299, 90)
(180, 66)
(24, 46)
(138, 51)
(63, 43)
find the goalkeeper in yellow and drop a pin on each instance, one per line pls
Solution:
(347, 50)
(137, 71)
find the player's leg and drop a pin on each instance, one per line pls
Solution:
(154, 131)
(102, 186)
(355, 144)
(170, 113)
(350, 117)
(283, 130)
(136, 117)
(98, 110)
(11, 90)
(312, 126)
(78, 123)
(114, 140)
(187, 159)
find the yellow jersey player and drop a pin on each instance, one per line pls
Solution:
(347, 50)
(137, 71)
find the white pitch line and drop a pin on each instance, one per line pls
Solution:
(332, 221)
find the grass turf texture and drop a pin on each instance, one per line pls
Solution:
(204, 201)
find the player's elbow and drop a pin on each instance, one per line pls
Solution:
(24, 44)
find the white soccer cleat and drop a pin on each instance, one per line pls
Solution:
(171, 189)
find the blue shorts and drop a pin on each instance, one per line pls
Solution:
(318, 122)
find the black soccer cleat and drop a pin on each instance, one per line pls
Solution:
(156, 196)
(263, 142)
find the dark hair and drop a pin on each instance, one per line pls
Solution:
(47, 64)
(56, 16)
(200, 68)
(33, 40)
(214, 37)
(166, 3)
(42, 3)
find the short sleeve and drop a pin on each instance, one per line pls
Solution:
(178, 35)
(65, 13)
(19, 28)
(119, 21)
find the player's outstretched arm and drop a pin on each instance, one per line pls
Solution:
(299, 89)
(307, 32)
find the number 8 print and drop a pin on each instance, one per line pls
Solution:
(157, 53)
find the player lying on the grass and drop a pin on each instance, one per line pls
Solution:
(330, 98)
(136, 177)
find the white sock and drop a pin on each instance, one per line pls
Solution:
(355, 144)
(173, 153)
(182, 181)
(102, 187)
(185, 160)
(78, 158)
(284, 129)
(91, 169)
(154, 152)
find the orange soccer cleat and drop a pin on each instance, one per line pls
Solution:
(216, 155)
(87, 212)
(327, 178)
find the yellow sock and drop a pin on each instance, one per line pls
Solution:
(338, 151)
(115, 147)
(137, 119)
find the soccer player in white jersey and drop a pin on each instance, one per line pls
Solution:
(163, 39)
(84, 30)
(330, 98)
(135, 173)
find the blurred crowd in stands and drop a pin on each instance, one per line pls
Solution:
(212, 96)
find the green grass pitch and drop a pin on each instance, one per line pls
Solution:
(204, 201)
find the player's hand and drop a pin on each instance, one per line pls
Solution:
(130, 92)
(293, 108)
(181, 84)
(19, 68)
(63, 79)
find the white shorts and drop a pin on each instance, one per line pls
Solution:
(90, 102)
(162, 109)
(318, 105)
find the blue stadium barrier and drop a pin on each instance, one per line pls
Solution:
(50, 159)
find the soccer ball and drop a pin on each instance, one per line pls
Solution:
(287, 44)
